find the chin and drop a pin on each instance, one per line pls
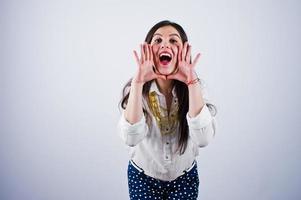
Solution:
(164, 73)
(166, 70)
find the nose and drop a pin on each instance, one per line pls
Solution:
(165, 45)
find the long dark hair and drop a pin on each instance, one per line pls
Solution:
(180, 88)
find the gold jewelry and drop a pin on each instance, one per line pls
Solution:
(166, 124)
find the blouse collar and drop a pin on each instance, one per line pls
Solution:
(154, 88)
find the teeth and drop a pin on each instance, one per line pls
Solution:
(165, 54)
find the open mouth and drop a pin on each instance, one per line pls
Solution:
(165, 58)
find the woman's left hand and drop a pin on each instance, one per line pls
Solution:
(185, 69)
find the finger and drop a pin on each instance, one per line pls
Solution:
(196, 59)
(172, 76)
(146, 51)
(136, 57)
(151, 53)
(142, 53)
(184, 51)
(180, 54)
(160, 76)
(188, 54)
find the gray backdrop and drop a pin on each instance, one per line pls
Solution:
(64, 63)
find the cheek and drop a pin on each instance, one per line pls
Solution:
(176, 50)
(155, 52)
(180, 46)
(155, 49)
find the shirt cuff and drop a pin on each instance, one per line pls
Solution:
(132, 128)
(202, 120)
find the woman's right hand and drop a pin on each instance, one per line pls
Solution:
(145, 65)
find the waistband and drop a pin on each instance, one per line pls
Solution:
(141, 170)
(136, 166)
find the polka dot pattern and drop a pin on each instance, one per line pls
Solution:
(143, 187)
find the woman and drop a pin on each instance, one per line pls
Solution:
(166, 117)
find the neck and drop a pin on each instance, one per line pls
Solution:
(165, 86)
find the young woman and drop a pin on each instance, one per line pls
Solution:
(166, 117)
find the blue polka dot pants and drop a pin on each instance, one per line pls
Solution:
(143, 187)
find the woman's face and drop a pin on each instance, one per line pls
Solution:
(166, 43)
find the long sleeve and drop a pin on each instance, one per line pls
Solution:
(202, 127)
(132, 134)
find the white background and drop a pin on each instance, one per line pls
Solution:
(63, 64)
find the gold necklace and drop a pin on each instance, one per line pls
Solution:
(167, 124)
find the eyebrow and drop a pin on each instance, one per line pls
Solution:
(173, 34)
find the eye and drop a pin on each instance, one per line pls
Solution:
(173, 41)
(158, 40)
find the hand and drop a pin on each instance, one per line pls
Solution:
(145, 65)
(185, 72)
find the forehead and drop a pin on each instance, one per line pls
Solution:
(167, 30)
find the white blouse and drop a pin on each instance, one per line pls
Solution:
(157, 153)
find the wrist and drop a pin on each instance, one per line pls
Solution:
(137, 82)
(193, 82)
(193, 79)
